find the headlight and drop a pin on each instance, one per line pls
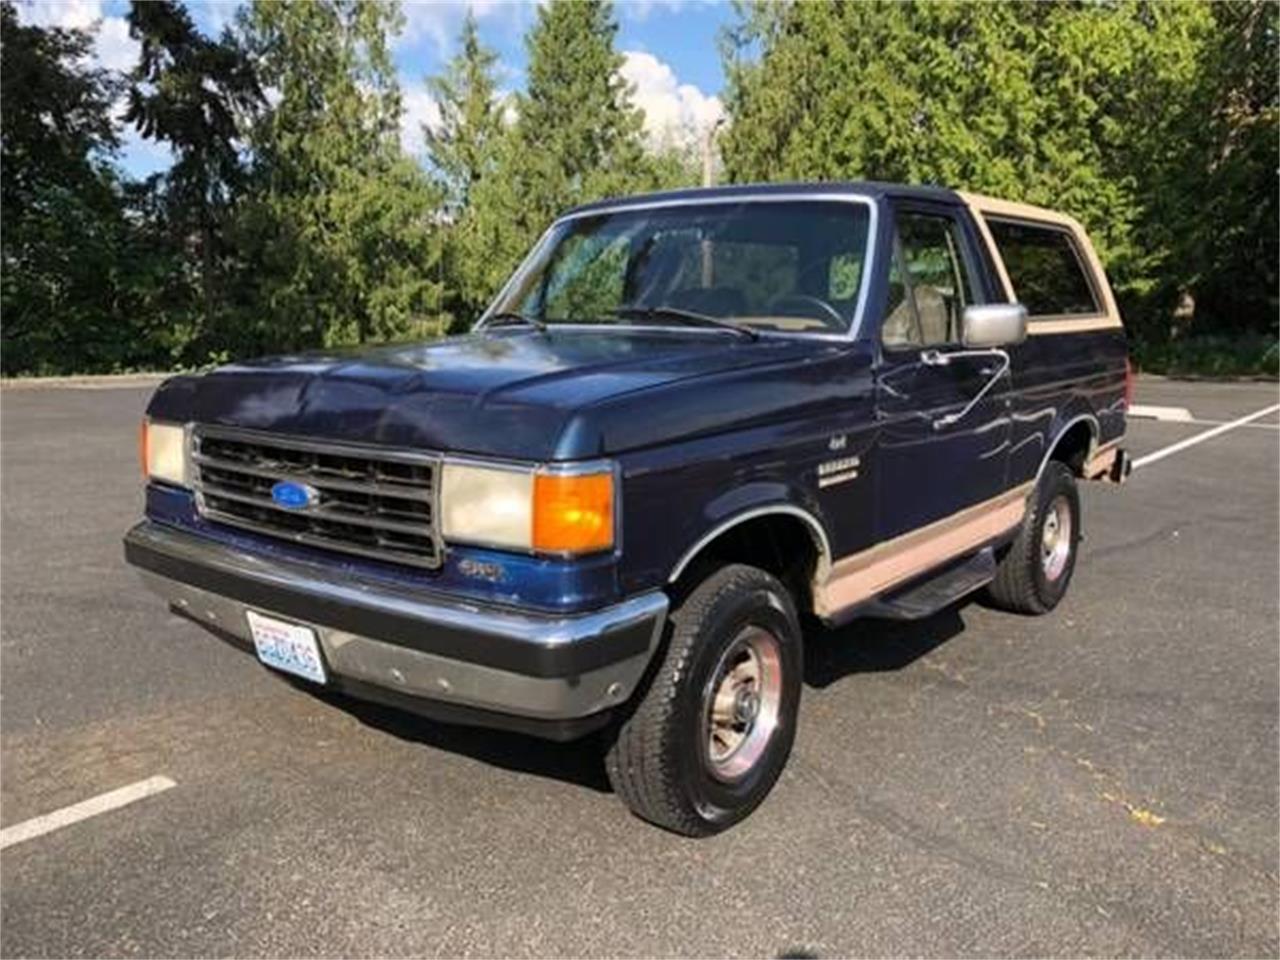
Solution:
(164, 452)
(487, 505)
(543, 511)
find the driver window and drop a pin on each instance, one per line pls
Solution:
(929, 286)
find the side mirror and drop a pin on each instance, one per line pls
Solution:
(994, 324)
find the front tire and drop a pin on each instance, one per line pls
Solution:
(709, 737)
(1035, 571)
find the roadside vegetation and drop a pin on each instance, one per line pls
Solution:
(292, 218)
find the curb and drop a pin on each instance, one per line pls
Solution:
(104, 381)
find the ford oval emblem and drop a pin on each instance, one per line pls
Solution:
(294, 496)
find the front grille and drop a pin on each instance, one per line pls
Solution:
(371, 502)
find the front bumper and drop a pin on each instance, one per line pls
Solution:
(551, 675)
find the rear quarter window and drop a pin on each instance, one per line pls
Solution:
(1045, 267)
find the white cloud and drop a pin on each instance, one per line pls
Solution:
(69, 14)
(113, 48)
(675, 114)
(639, 10)
(419, 108)
(509, 104)
(212, 16)
(440, 20)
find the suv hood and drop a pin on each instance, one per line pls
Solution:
(517, 394)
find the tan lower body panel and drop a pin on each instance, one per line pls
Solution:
(862, 576)
(1102, 461)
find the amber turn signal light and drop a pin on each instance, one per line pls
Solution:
(572, 513)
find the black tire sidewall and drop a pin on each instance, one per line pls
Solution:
(1058, 482)
(766, 606)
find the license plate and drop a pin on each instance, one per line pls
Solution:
(287, 646)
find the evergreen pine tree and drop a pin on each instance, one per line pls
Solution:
(577, 137)
(343, 233)
(462, 145)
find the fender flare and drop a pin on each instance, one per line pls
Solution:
(1094, 433)
(816, 530)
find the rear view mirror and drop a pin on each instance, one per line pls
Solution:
(994, 324)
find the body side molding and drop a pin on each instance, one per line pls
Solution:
(861, 576)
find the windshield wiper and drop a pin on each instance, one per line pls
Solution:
(691, 317)
(512, 318)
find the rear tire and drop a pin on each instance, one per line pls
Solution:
(1035, 571)
(708, 739)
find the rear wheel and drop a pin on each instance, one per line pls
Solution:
(1033, 575)
(711, 734)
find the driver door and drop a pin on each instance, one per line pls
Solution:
(931, 470)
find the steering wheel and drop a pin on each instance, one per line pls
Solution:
(802, 301)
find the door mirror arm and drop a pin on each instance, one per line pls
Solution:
(937, 358)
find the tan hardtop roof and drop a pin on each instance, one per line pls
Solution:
(1011, 208)
(1108, 315)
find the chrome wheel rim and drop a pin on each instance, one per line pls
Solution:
(1056, 539)
(741, 704)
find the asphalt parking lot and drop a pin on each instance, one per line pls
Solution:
(1100, 781)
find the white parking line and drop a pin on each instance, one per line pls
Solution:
(1202, 437)
(102, 803)
(1149, 412)
(1197, 422)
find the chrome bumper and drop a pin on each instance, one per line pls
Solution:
(408, 643)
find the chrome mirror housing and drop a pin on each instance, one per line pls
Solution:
(994, 324)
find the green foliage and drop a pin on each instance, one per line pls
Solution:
(463, 148)
(1152, 123)
(292, 218)
(63, 234)
(338, 235)
(576, 138)
(194, 94)
(1226, 244)
(462, 145)
(1239, 355)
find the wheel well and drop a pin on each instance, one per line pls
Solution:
(780, 544)
(1073, 446)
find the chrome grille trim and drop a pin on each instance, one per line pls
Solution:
(375, 501)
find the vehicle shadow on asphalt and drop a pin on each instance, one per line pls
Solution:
(578, 762)
(865, 646)
(875, 646)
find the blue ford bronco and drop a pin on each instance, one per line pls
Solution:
(689, 423)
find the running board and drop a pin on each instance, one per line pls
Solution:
(927, 596)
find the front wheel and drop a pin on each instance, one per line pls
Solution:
(709, 737)
(1034, 572)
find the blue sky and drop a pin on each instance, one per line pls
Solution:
(669, 46)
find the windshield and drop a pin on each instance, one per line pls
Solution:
(792, 266)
